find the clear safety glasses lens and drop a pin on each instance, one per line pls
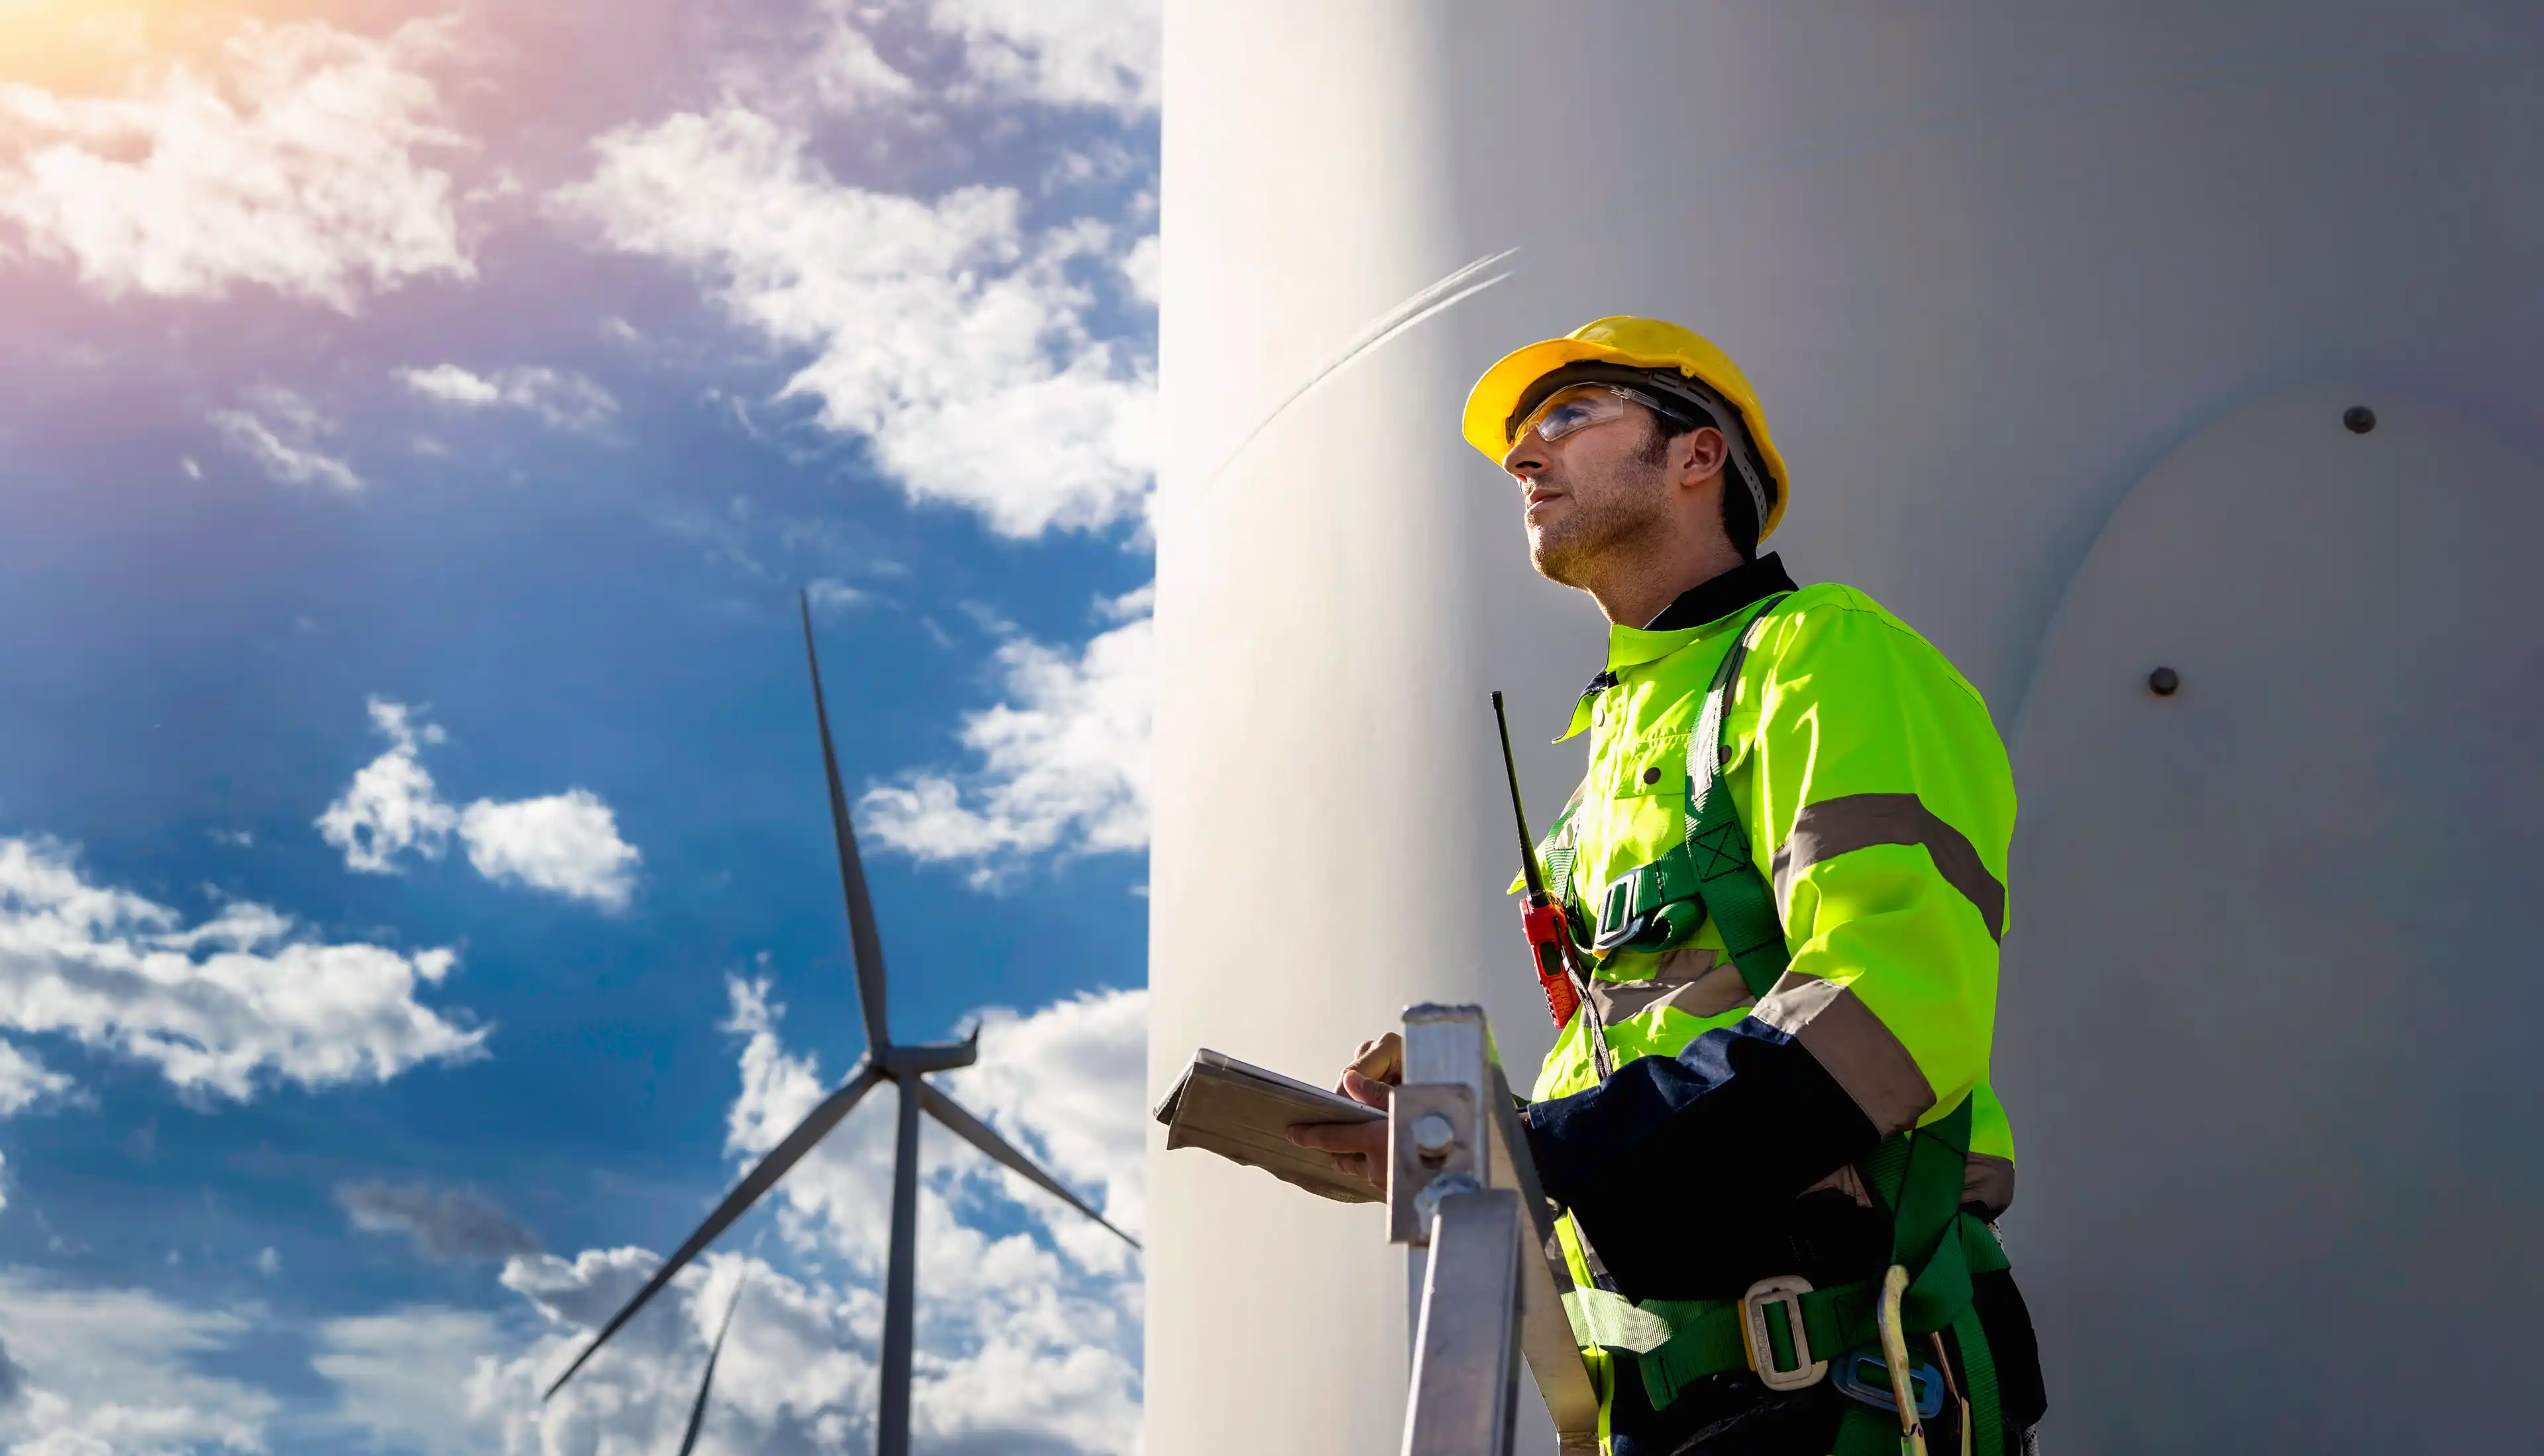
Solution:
(1569, 410)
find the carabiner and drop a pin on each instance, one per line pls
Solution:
(1894, 1354)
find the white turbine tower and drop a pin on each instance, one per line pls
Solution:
(904, 1066)
(2102, 340)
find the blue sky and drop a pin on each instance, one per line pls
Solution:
(416, 897)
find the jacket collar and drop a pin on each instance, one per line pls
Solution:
(1700, 607)
(1705, 604)
(1716, 597)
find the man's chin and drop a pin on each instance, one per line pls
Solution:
(1552, 561)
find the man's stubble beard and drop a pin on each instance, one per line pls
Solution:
(1602, 525)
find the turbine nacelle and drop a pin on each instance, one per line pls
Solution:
(899, 1061)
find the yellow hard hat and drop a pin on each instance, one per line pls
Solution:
(1635, 342)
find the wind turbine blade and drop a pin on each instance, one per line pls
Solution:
(978, 1134)
(736, 1203)
(865, 946)
(706, 1382)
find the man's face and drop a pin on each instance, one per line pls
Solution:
(1590, 492)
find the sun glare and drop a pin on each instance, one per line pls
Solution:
(87, 47)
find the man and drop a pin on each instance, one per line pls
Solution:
(1784, 880)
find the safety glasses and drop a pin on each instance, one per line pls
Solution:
(1567, 410)
(1577, 407)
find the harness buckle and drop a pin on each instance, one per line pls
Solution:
(1618, 921)
(1786, 1290)
(1635, 916)
(1924, 1384)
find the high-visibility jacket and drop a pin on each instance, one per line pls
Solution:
(1729, 1142)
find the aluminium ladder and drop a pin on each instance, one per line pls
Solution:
(1461, 1185)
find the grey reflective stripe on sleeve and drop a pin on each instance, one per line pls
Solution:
(1852, 1045)
(1697, 981)
(1988, 1181)
(1840, 825)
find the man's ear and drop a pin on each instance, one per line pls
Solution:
(1701, 454)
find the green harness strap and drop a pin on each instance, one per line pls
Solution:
(1978, 1376)
(1916, 1176)
(1557, 856)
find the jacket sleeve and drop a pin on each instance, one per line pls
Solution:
(1883, 810)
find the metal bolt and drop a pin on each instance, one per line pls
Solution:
(2165, 681)
(1433, 1133)
(2359, 418)
(1426, 1203)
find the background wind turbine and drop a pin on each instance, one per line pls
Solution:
(706, 1382)
(906, 1067)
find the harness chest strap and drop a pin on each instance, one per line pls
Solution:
(1709, 872)
(1557, 858)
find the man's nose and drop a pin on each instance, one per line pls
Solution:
(1526, 457)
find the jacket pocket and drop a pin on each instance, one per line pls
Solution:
(1654, 765)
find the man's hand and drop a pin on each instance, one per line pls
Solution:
(1360, 1148)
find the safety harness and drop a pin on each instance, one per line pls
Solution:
(1790, 1333)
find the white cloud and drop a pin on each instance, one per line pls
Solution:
(26, 1082)
(1063, 764)
(268, 1261)
(282, 433)
(117, 1372)
(1138, 601)
(236, 1001)
(945, 334)
(1141, 269)
(561, 397)
(1067, 1084)
(451, 384)
(296, 170)
(1066, 53)
(403, 1379)
(391, 807)
(566, 843)
(830, 596)
(843, 71)
(1104, 53)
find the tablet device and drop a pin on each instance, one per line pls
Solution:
(1241, 1111)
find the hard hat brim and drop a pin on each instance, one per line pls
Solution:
(1495, 397)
